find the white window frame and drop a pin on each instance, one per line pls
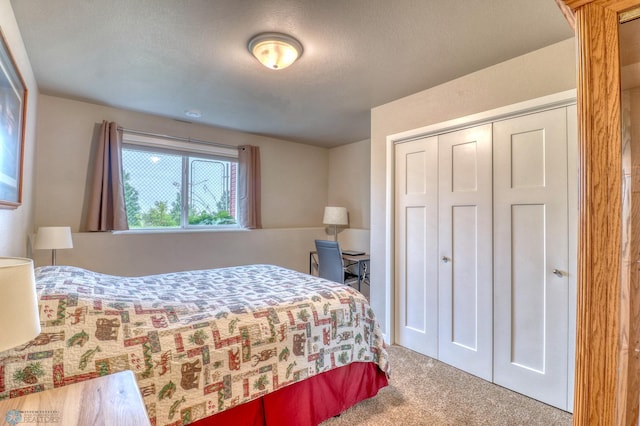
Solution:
(177, 146)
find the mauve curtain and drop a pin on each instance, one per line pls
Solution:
(107, 210)
(249, 187)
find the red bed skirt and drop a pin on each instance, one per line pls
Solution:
(309, 402)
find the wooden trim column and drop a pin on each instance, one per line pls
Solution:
(598, 305)
(603, 305)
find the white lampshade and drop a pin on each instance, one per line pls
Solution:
(19, 317)
(335, 216)
(53, 237)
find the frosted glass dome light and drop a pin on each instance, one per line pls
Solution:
(275, 50)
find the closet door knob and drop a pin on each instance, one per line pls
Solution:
(558, 273)
(445, 259)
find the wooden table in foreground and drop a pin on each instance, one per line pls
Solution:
(108, 400)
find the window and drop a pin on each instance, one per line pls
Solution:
(175, 184)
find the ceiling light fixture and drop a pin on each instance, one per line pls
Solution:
(275, 50)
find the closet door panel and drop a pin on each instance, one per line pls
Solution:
(531, 261)
(528, 285)
(464, 312)
(465, 245)
(416, 245)
(415, 279)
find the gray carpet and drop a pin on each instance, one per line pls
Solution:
(423, 391)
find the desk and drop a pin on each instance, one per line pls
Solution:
(359, 263)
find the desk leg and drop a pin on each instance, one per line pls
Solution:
(362, 272)
(313, 264)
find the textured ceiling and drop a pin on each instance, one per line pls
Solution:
(167, 56)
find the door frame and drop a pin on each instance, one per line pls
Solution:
(606, 385)
(556, 100)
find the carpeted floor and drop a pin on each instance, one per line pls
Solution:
(423, 391)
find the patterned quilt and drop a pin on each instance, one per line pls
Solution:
(199, 342)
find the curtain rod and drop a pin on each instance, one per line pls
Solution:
(178, 138)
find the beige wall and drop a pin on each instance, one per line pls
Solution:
(15, 224)
(155, 253)
(349, 181)
(294, 176)
(539, 73)
(294, 192)
(350, 187)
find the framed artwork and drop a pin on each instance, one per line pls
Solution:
(13, 107)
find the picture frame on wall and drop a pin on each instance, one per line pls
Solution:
(13, 108)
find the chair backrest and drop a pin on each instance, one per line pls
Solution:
(330, 264)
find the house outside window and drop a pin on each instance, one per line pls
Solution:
(173, 184)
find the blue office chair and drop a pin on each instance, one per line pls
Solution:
(330, 263)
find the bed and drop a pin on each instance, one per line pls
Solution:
(248, 344)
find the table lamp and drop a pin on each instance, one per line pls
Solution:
(18, 302)
(53, 238)
(335, 216)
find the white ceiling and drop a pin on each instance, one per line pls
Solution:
(167, 56)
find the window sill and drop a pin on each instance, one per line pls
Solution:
(179, 231)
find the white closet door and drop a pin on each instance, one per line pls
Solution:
(417, 245)
(465, 250)
(573, 213)
(531, 283)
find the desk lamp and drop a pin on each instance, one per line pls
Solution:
(335, 216)
(53, 238)
(18, 302)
